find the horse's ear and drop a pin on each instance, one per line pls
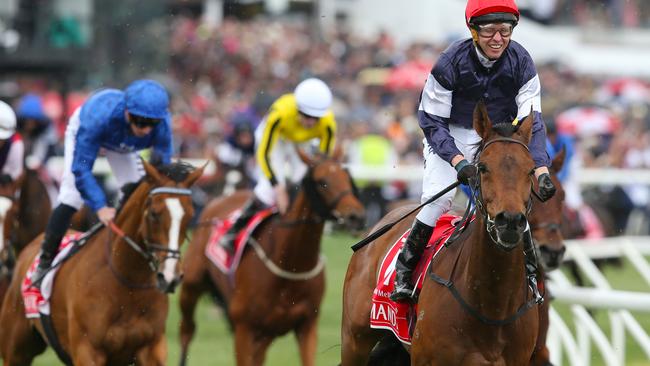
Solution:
(192, 177)
(482, 123)
(304, 156)
(152, 172)
(337, 155)
(526, 126)
(558, 160)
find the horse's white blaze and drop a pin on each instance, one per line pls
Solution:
(5, 205)
(176, 213)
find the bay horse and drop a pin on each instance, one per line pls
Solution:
(281, 290)
(109, 303)
(490, 319)
(24, 210)
(545, 220)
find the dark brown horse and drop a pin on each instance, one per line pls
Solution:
(24, 211)
(546, 220)
(497, 325)
(108, 304)
(280, 290)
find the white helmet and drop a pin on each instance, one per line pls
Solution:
(7, 121)
(313, 97)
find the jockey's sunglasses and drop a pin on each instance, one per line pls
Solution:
(143, 122)
(489, 30)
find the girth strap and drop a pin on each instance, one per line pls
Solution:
(53, 340)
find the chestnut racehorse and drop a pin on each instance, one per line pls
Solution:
(109, 302)
(279, 288)
(489, 318)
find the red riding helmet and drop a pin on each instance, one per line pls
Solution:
(491, 11)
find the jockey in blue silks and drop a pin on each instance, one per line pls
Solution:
(489, 67)
(120, 123)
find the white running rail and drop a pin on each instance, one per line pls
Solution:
(618, 304)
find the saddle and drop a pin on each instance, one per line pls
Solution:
(400, 317)
(226, 261)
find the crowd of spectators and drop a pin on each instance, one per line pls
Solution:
(241, 67)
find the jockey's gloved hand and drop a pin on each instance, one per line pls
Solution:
(546, 187)
(466, 171)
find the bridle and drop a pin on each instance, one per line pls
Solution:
(148, 250)
(477, 192)
(322, 207)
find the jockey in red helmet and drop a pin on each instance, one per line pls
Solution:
(485, 18)
(489, 67)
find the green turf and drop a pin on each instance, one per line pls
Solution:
(213, 345)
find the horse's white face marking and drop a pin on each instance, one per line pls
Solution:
(5, 205)
(176, 213)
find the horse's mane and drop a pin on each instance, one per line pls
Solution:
(177, 172)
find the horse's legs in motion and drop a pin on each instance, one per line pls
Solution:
(19, 342)
(190, 293)
(307, 336)
(250, 346)
(154, 355)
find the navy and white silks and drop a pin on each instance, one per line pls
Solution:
(461, 77)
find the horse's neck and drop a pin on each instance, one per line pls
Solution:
(125, 260)
(302, 229)
(495, 278)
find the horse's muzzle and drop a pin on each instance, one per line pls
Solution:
(167, 287)
(509, 229)
(551, 258)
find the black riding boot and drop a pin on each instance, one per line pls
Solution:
(530, 257)
(54, 232)
(251, 207)
(408, 258)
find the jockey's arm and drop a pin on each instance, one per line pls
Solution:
(163, 144)
(88, 141)
(269, 137)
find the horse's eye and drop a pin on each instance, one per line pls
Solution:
(482, 168)
(154, 216)
(322, 183)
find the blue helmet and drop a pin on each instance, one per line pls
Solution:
(31, 107)
(147, 98)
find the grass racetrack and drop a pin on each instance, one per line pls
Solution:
(213, 344)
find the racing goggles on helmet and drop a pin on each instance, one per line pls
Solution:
(143, 122)
(489, 30)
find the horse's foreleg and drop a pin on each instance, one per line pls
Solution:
(153, 355)
(307, 339)
(85, 354)
(190, 293)
(250, 346)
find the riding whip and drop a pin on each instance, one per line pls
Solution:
(365, 241)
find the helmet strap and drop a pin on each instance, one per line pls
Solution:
(474, 34)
